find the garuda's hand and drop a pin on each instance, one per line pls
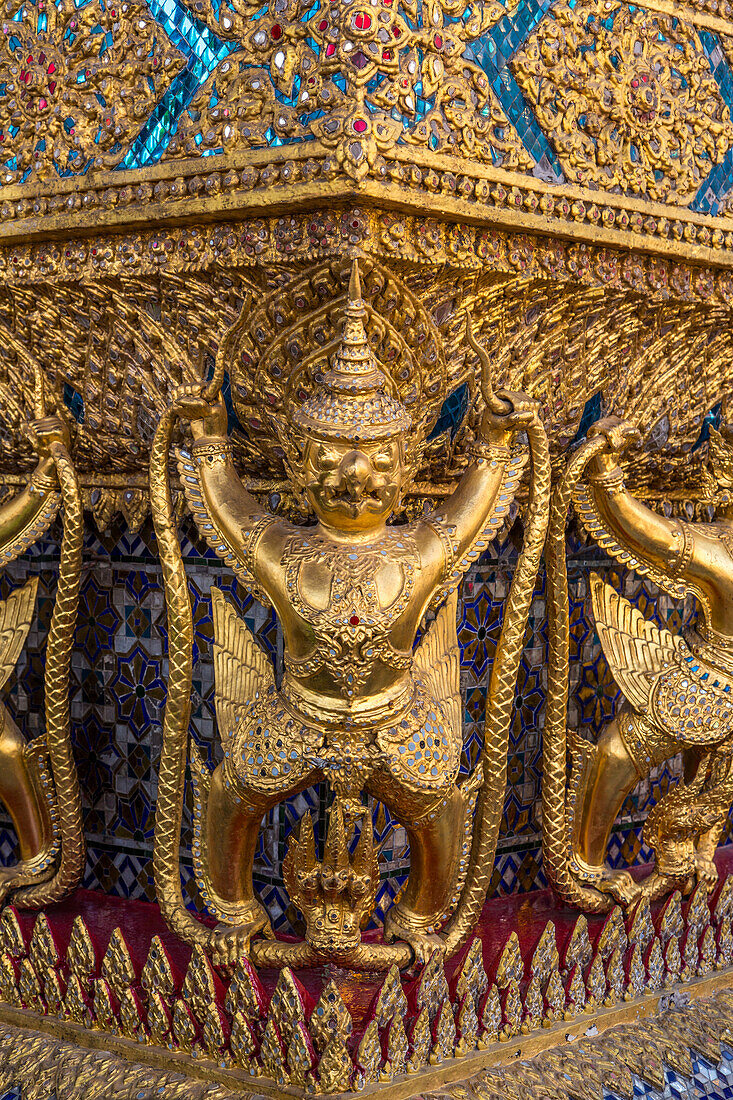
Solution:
(45, 431)
(518, 413)
(618, 434)
(206, 417)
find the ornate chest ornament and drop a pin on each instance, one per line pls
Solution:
(359, 706)
(353, 631)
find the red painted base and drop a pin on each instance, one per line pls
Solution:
(525, 914)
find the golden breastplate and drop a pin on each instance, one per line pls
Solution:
(353, 631)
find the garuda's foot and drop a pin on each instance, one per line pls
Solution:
(7, 882)
(229, 943)
(25, 873)
(423, 944)
(706, 872)
(621, 886)
(617, 884)
(658, 884)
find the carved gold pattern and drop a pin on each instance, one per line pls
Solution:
(335, 54)
(545, 322)
(627, 99)
(76, 84)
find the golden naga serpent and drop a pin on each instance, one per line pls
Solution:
(171, 782)
(67, 874)
(555, 839)
(504, 670)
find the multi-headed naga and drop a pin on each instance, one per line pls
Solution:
(358, 706)
(38, 780)
(677, 688)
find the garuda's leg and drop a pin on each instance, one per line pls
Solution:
(625, 753)
(435, 826)
(707, 842)
(233, 819)
(22, 795)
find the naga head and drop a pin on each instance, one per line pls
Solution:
(353, 460)
(338, 894)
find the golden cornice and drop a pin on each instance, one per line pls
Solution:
(473, 166)
(349, 230)
(272, 182)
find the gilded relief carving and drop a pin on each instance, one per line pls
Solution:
(38, 781)
(77, 84)
(559, 340)
(359, 77)
(627, 98)
(358, 402)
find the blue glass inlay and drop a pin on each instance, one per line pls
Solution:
(492, 53)
(203, 51)
(710, 420)
(713, 191)
(592, 411)
(74, 403)
(452, 412)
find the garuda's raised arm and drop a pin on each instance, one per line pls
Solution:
(467, 520)
(29, 514)
(229, 518)
(629, 530)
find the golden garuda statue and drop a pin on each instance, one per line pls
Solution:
(678, 688)
(358, 707)
(38, 780)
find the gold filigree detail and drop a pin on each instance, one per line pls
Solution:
(304, 71)
(627, 98)
(77, 84)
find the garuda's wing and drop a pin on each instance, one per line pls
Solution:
(16, 616)
(438, 660)
(241, 669)
(33, 531)
(636, 650)
(208, 528)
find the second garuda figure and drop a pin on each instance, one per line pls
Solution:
(358, 707)
(678, 688)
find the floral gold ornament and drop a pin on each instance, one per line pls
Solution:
(356, 706)
(77, 83)
(38, 780)
(678, 688)
(627, 98)
(360, 77)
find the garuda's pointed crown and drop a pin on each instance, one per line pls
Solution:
(352, 404)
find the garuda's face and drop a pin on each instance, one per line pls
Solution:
(353, 487)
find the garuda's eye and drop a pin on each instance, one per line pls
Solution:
(382, 461)
(327, 460)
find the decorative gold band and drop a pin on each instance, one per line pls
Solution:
(449, 556)
(253, 541)
(43, 483)
(684, 546)
(495, 453)
(209, 452)
(612, 481)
